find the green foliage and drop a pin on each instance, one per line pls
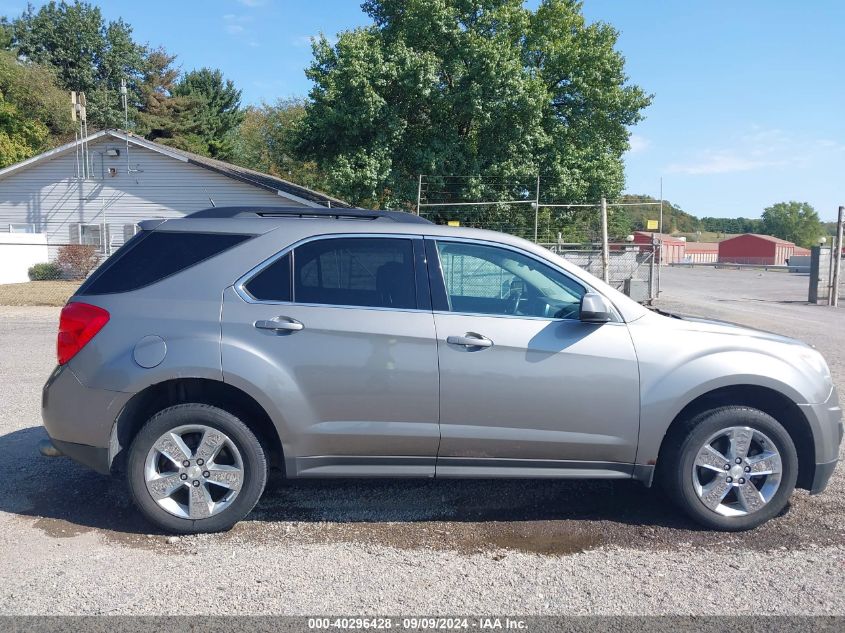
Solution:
(470, 87)
(163, 116)
(675, 220)
(34, 113)
(88, 54)
(265, 140)
(218, 111)
(5, 33)
(46, 271)
(797, 222)
(732, 225)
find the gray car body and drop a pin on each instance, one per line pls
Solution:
(379, 392)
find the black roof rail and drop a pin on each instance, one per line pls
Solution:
(307, 212)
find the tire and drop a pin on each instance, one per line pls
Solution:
(696, 477)
(209, 495)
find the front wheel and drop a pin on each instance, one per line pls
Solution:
(731, 468)
(196, 468)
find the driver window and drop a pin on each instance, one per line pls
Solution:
(483, 279)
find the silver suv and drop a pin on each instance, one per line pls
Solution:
(349, 343)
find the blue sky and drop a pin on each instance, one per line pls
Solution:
(749, 96)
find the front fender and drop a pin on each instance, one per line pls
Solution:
(667, 388)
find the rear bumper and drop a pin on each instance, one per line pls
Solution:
(79, 420)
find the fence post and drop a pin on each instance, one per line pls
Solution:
(815, 260)
(536, 208)
(652, 278)
(605, 248)
(837, 259)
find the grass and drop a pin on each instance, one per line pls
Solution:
(706, 236)
(37, 293)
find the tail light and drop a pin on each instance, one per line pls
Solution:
(78, 324)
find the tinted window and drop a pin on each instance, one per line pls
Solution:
(151, 256)
(360, 271)
(490, 280)
(272, 283)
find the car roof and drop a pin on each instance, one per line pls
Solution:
(303, 223)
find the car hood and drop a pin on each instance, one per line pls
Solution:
(714, 326)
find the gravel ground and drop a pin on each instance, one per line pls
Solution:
(71, 543)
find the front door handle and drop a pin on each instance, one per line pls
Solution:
(280, 324)
(470, 340)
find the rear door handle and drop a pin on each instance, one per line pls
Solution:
(280, 324)
(470, 340)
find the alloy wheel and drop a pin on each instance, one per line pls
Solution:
(194, 471)
(737, 471)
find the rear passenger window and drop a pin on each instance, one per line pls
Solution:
(359, 271)
(151, 256)
(272, 283)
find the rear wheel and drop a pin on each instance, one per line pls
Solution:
(196, 468)
(732, 468)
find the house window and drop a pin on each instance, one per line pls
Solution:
(23, 228)
(91, 234)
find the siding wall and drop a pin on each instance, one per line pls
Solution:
(50, 196)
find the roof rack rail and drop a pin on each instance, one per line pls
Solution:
(307, 212)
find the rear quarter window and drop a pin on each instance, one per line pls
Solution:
(151, 256)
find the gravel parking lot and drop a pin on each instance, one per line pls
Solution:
(71, 543)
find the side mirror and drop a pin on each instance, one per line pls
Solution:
(595, 309)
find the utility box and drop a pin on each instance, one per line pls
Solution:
(637, 289)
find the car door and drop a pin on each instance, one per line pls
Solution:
(338, 334)
(526, 388)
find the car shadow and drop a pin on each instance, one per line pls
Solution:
(75, 498)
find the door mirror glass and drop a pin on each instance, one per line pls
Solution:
(595, 309)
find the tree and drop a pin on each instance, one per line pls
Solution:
(219, 110)
(88, 54)
(162, 115)
(5, 33)
(265, 141)
(797, 222)
(674, 218)
(470, 87)
(34, 112)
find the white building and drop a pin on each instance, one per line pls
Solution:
(128, 179)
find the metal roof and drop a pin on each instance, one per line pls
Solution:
(306, 196)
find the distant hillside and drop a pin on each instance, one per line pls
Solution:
(675, 219)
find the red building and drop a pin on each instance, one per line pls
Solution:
(752, 248)
(670, 249)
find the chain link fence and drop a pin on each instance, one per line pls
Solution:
(573, 230)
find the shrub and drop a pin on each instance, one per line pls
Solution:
(44, 272)
(78, 260)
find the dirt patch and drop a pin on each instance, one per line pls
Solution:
(37, 293)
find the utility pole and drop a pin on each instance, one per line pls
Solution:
(536, 207)
(660, 221)
(837, 261)
(605, 249)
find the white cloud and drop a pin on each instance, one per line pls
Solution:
(638, 143)
(238, 26)
(251, 3)
(759, 148)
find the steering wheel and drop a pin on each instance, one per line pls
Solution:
(514, 297)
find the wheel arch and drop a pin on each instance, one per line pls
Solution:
(768, 400)
(158, 396)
